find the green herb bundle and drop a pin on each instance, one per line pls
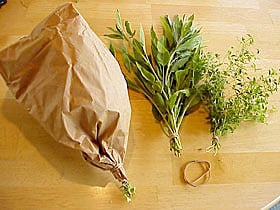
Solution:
(232, 93)
(168, 74)
(177, 76)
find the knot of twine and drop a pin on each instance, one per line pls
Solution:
(173, 136)
(216, 138)
(116, 167)
(206, 165)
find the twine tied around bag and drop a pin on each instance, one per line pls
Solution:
(116, 167)
(205, 164)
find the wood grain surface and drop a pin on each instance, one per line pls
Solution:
(38, 173)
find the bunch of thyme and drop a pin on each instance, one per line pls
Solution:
(232, 93)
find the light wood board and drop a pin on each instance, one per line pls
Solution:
(38, 173)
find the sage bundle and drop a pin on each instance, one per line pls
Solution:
(168, 74)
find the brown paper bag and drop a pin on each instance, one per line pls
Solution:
(68, 80)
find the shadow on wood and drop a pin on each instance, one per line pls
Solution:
(68, 162)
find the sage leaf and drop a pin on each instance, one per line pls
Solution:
(112, 49)
(189, 44)
(118, 21)
(163, 55)
(157, 86)
(179, 64)
(167, 30)
(177, 25)
(126, 60)
(142, 37)
(156, 113)
(114, 36)
(145, 73)
(128, 28)
(132, 85)
(180, 76)
(154, 39)
(172, 100)
(163, 58)
(113, 30)
(161, 48)
(158, 99)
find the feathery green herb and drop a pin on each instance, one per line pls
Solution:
(232, 93)
(167, 74)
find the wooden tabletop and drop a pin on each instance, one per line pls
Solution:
(38, 173)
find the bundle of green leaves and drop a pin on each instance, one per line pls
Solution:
(235, 90)
(176, 76)
(168, 75)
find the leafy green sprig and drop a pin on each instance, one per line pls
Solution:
(128, 191)
(232, 93)
(168, 74)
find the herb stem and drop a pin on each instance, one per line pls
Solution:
(162, 115)
(167, 76)
(185, 109)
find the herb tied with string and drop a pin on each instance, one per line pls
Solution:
(176, 76)
(231, 91)
(168, 74)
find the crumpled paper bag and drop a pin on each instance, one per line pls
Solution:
(71, 84)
